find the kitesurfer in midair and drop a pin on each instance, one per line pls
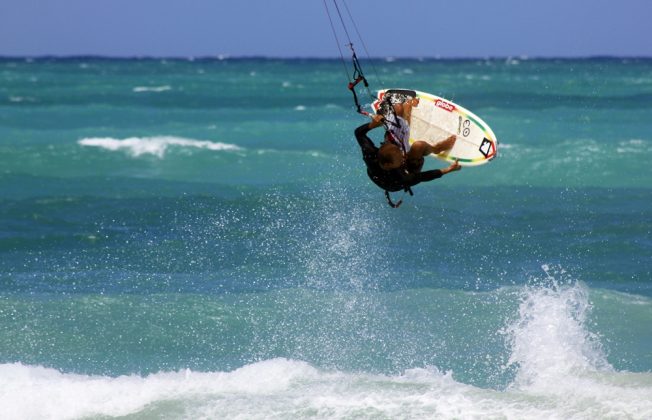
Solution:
(397, 165)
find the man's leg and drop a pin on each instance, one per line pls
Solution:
(419, 149)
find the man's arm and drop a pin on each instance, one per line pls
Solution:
(365, 142)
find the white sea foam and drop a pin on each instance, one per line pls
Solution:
(157, 146)
(37, 392)
(282, 388)
(21, 99)
(152, 88)
(634, 146)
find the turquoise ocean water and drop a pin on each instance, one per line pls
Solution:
(198, 239)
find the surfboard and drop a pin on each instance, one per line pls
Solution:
(433, 119)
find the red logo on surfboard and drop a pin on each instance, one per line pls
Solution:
(445, 105)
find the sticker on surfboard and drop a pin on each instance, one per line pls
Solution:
(434, 119)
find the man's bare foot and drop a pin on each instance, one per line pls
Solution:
(455, 166)
(445, 145)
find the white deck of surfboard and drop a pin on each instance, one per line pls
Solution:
(434, 119)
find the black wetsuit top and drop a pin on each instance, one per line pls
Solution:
(392, 180)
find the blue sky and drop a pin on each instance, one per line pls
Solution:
(300, 28)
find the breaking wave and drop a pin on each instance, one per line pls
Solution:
(157, 146)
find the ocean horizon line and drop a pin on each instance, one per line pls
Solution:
(224, 57)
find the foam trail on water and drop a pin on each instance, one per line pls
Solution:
(157, 145)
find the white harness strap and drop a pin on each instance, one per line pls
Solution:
(399, 132)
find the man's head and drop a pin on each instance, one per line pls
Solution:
(388, 107)
(390, 156)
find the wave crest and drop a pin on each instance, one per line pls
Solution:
(157, 146)
(294, 389)
(139, 89)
